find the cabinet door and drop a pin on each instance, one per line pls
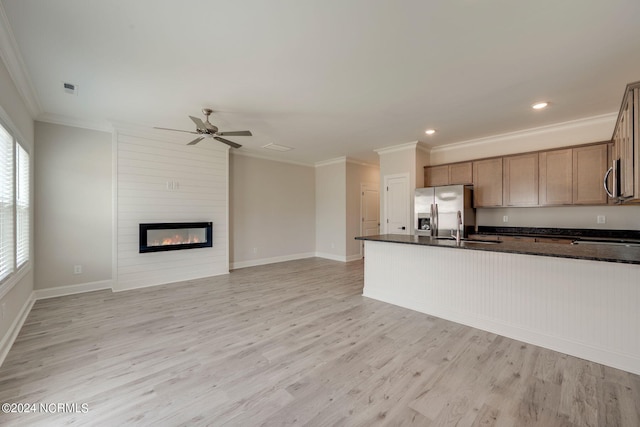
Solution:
(487, 183)
(521, 180)
(461, 173)
(589, 167)
(556, 177)
(436, 175)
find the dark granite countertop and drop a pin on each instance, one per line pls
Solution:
(632, 236)
(592, 252)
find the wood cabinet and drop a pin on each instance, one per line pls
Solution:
(450, 174)
(487, 183)
(589, 167)
(569, 176)
(520, 180)
(626, 145)
(435, 176)
(556, 177)
(461, 173)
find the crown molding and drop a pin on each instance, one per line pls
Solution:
(400, 147)
(57, 119)
(12, 59)
(538, 131)
(359, 163)
(333, 161)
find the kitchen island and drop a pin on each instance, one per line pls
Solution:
(579, 300)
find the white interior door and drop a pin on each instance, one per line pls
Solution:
(369, 212)
(397, 204)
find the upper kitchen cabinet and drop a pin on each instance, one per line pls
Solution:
(461, 173)
(487, 183)
(589, 166)
(626, 148)
(556, 177)
(520, 178)
(451, 174)
(435, 176)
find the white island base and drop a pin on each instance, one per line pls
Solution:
(587, 309)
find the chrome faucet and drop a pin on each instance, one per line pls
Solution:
(459, 223)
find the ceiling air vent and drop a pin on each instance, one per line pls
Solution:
(276, 147)
(70, 88)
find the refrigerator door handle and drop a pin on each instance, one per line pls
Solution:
(431, 223)
(437, 219)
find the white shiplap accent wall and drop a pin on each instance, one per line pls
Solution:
(144, 163)
(588, 309)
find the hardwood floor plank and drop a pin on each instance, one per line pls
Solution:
(291, 344)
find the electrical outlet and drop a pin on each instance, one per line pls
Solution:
(505, 218)
(77, 269)
(601, 219)
(255, 250)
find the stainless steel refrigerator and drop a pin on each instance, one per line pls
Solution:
(436, 210)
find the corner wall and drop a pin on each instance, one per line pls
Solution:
(16, 292)
(74, 206)
(331, 207)
(272, 211)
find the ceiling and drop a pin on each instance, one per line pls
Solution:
(329, 78)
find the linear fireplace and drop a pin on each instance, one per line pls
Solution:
(172, 236)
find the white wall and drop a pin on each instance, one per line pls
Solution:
(617, 217)
(145, 163)
(16, 292)
(74, 205)
(356, 175)
(331, 198)
(394, 160)
(272, 211)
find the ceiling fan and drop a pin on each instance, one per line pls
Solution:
(207, 129)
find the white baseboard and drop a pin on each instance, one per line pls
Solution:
(263, 261)
(14, 329)
(355, 257)
(72, 289)
(332, 257)
(341, 258)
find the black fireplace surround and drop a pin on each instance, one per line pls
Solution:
(173, 236)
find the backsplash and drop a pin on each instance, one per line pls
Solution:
(615, 217)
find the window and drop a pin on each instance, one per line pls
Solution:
(14, 204)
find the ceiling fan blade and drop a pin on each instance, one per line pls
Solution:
(226, 141)
(199, 123)
(195, 141)
(177, 130)
(236, 133)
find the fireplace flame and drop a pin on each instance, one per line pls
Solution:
(176, 239)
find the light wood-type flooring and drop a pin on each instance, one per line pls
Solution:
(292, 344)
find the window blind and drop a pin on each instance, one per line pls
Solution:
(6, 204)
(22, 205)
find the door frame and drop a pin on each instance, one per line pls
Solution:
(363, 187)
(385, 185)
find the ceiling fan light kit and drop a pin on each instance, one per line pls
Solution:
(206, 129)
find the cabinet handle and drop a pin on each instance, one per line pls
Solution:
(604, 183)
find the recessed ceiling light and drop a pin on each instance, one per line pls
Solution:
(539, 105)
(430, 131)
